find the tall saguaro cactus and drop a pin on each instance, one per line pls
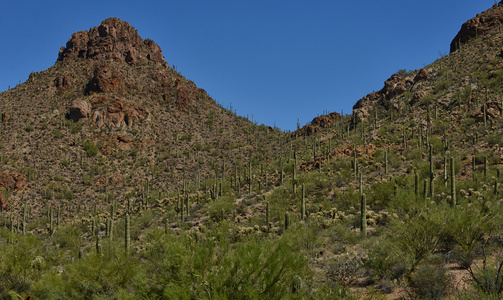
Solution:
(287, 221)
(416, 184)
(386, 162)
(249, 177)
(294, 179)
(363, 215)
(453, 182)
(127, 234)
(303, 203)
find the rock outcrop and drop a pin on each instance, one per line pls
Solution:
(104, 111)
(105, 79)
(491, 19)
(10, 182)
(394, 86)
(114, 39)
(493, 110)
(319, 123)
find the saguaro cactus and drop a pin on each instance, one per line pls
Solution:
(287, 221)
(473, 167)
(127, 234)
(281, 178)
(425, 189)
(267, 213)
(360, 183)
(98, 245)
(445, 171)
(303, 203)
(24, 219)
(386, 162)
(432, 186)
(416, 184)
(249, 177)
(485, 167)
(363, 215)
(453, 182)
(495, 186)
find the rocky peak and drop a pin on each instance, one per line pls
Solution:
(113, 39)
(482, 24)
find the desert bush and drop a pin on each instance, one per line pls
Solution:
(431, 280)
(184, 268)
(221, 208)
(346, 268)
(90, 148)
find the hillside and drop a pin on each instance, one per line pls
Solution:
(121, 179)
(111, 114)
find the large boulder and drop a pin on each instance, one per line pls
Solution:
(80, 110)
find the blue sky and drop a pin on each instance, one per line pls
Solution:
(275, 60)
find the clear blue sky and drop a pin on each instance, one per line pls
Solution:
(276, 60)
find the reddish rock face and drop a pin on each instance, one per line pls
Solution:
(3, 202)
(12, 182)
(105, 79)
(114, 39)
(62, 82)
(423, 74)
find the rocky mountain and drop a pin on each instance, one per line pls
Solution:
(399, 200)
(111, 110)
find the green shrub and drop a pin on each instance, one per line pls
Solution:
(431, 280)
(90, 148)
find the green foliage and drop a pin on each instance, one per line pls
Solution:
(90, 148)
(441, 86)
(247, 270)
(29, 128)
(75, 127)
(221, 208)
(431, 280)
